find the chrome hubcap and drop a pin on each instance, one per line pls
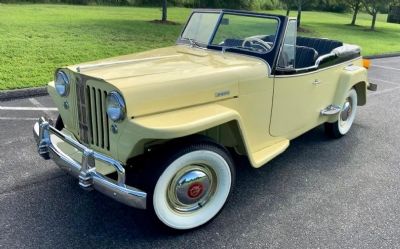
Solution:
(346, 110)
(191, 188)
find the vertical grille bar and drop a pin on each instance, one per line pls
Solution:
(105, 121)
(82, 105)
(93, 110)
(99, 116)
(74, 105)
(88, 111)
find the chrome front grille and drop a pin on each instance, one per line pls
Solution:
(98, 117)
(92, 117)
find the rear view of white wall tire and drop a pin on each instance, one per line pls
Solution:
(346, 116)
(192, 186)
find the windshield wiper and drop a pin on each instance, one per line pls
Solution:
(193, 43)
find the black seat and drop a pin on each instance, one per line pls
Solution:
(307, 49)
(269, 38)
(232, 42)
(322, 46)
(305, 57)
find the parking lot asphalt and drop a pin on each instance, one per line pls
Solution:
(320, 193)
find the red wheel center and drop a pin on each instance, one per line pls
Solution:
(195, 190)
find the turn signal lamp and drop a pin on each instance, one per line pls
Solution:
(366, 63)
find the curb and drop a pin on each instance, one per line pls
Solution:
(380, 56)
(22, 93)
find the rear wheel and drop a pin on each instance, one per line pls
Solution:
(346, 117)
(192, 186)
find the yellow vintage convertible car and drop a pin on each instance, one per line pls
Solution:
(155, 130)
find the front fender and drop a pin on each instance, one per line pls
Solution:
(184, 122)
(169, 125)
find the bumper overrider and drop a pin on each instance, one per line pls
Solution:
(85, 170)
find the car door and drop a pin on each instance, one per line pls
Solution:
(299, 98)
(298, 101)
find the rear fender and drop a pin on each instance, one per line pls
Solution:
(352, 77)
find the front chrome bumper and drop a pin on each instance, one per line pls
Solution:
(85, 171)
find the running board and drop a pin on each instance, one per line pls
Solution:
(331, 110)
(265, 155)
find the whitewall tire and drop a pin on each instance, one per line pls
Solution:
(194, 186)
(346, 116)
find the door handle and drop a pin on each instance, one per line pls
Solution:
(316, 82)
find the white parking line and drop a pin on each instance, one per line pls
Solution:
(384, 81)
(388, 68)
(384, 91)
(14, 118)
(39, 105)
(17, 108)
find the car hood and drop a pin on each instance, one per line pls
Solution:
(174, 77)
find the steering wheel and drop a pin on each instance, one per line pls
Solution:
(254, 40)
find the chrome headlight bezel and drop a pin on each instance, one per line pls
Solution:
(115, 106)
(62, 84)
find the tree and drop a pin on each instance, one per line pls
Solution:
(164, 11)
(373, 7)
(288, 5)
(355, 5)
(338, 6)
(299, 4)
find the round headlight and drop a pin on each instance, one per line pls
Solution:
(115, 106)
(62, 84)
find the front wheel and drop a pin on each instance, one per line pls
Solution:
(346, 117)
(194, 185)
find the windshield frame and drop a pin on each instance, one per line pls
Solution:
(270, 56)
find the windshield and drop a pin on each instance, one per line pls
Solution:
(201, 27)
(244, 32)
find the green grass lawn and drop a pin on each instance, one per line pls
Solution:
(36, 39)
